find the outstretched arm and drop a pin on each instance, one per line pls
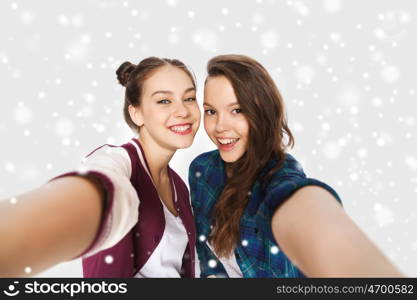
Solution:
(51, 224)
(319, 237)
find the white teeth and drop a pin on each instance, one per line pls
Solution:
(180, 128)
(227, 141)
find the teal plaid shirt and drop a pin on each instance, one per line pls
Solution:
(258, 254)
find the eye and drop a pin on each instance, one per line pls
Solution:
(209, 112)
(164, 101)
(190, 99)
(237, 111)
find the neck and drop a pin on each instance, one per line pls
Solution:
(157, 157)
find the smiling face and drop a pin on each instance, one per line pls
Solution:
(168, 115)
(224, 121)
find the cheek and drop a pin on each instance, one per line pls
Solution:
(208, 125)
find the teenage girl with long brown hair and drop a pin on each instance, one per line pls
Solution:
(257, 214)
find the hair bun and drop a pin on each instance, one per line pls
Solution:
(123, 72)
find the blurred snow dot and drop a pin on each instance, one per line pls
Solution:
(380, 142)
(13, 200)
(66, 141)
(89, 98)
(411, 162)
(14, 6)
(390, 74)
(108, 259)
(305, 74)
(269, 39)
(26, 17)
(28, 270)
(298, 127)
(245, 243)
(225, 11)
(202, 238)
(257, 19)
(206, 40)
(380, 34)
(410, 121)
(171, 2)
(198, 174)
(301, 8)
(99, 127)
(376, 102)
(23, 115)
(341, 142)
(321, 59)
(63, 20)
(332, 6)
(353, 176)
(331, 150)
(362, 153)
(414, 246)
(64, 128)
(191, 14)
(349, 96)
(26, 132)
(354, 110)
(325, 126)
(41, 95)
(108, 35)
(49, 166)
(274, 250)
(335, 37)
(9, 167)
(212, 263)
(173, 38)
(77, 20)
(382, 215)
(78, 50)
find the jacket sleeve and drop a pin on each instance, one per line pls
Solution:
(111, 167)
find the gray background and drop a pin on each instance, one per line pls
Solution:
(346, 69)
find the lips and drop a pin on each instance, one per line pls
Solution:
(226, 144)
(181, 129)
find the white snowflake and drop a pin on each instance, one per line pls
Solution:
(64, 127)
(212, 263)
(332, 6)
(269, 39)
(108, 259)
(390, 74)
(274, 250)
(382, 215)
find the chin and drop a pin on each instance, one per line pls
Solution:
(229, 158)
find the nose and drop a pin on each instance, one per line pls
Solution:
(181, 111)
(222, 123)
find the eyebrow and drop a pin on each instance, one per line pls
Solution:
(231, 104)
(170, 92)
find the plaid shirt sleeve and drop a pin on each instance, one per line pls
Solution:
(288, 186)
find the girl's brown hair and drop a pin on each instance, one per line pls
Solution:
(263, 107)
(133, 77)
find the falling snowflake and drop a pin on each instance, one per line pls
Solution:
(212, 263)
(108, 259)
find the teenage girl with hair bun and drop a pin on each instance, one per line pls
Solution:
(125, 212)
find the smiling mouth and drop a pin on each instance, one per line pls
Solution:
(226, 144)
(181, 129)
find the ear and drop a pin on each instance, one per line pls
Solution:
(136, 115)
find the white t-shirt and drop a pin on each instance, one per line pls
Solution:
(114, 163)
(230, 264)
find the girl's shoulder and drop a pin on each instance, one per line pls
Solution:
(207, 158)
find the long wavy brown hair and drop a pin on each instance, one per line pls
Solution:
(263, 108)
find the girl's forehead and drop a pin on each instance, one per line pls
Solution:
(168, 78)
